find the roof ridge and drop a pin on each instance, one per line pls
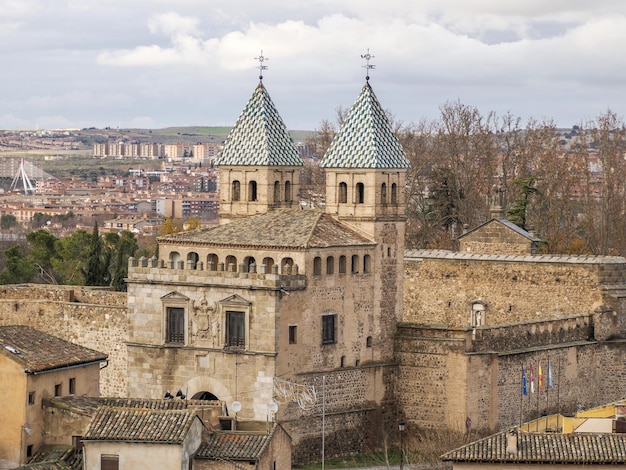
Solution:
(365, 138)
(259, 137)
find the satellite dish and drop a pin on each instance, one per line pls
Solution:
(272, 407)
(236, 406)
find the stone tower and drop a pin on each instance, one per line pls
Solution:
(365, 187)
(259, 165)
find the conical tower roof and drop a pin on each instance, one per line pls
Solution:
(259, 137)
(365, 139)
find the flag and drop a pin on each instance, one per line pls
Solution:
(540, 377)
(550, 382)
(532, 379)
(524, 388)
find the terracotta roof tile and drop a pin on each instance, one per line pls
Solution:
(234, 445)
(259, 137)
(545, 448)
(284, 228)
(39, 351)
(139, 425)
(365, 139)
(89, 405)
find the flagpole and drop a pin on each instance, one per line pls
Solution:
(538, 393)
(558, 392)
(521, 398)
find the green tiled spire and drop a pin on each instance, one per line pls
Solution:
(259, 137)
(365, 139)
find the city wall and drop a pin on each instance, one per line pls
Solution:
(91, 317)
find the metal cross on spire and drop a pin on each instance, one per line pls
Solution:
(367, 65)
(261, 67)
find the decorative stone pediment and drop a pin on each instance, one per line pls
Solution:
(236, 300)
(175, 297)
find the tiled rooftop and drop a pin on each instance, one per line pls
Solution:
(365, 139)
(283, 228)
(139, 425)
(89, 405)
(259, 137)
(545, 448)
(38, 351)
(234, 445)
(55, 457)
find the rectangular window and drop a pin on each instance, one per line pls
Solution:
(175, 325)
(109, 462)
(328, 329)
(235, 329)
(72, 385)
(293, 334)
(29, 451)
(58, 388)
(31, 398)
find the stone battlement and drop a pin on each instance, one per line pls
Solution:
(159, 271)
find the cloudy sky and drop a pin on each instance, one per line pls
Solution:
(157, 63)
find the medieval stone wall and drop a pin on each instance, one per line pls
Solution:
(356, 406)
(94, 318)
(458, 375)
(441, 286)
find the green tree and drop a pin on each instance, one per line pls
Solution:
(19, 268)
(517, 212)
(42, 252)
(125, 247)
(72, 255)
(7, 221)
(97, 271)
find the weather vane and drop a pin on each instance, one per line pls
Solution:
(367, 65)
(261, 67)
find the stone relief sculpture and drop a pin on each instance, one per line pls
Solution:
(205, 322)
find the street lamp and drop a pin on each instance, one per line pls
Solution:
(401, 429)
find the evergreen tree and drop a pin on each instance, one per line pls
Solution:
(97, 272)
(19, 268)
(518, 211)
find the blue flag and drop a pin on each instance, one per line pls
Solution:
(550, 383)
(524, 388)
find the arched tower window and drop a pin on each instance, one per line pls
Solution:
(394, 193)
(286, 265)
(211, 262)
(342, 264)
(249, 261)
(360, 193)
(252, 196)
(231, 260)
(330, 265)
(276, 191)
(383, 193)
(236, 191)
(355, 264)
(317, 266)
(287, 191)
(343, 193)
(269, 264)
(367, 264)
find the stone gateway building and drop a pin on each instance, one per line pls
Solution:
(280, 302)
(323, 311)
